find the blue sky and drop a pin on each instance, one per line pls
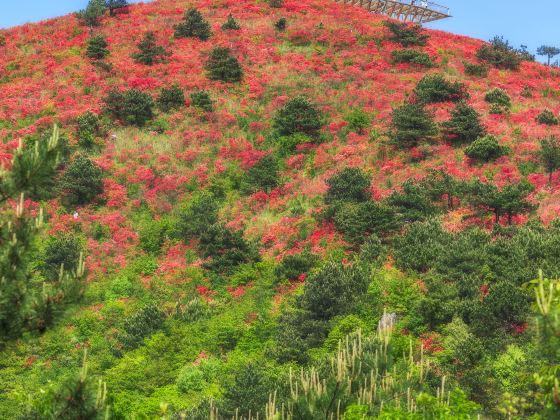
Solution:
(531, 23)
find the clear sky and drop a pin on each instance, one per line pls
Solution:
(528, 22)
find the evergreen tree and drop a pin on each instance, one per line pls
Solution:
(547, 117)
(19, 295)
(193, 26)
(350, 184)
(262, 176)
(88, 129)
(114, 5)
(92, 13)
(499, 100)
(413, 203)
(485, 149)
(549, 155)
(149, 52)
(97, 48)
(548, 51)
(132, 106)
(201, 100)
(171, 98)
(412, 124)
(298, 115)
(406, 35)
(277, 4)
(442, 185)
(281, 24)
(221, 65)
(231, 24)
(434, 88)
(82, 181)
(500, 54)
(511, 200)
(464, 125)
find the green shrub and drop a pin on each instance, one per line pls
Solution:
(476, 70)
(499, 99)
(434, 88)
(221, 65)
(153, 234)
(357, 221)
(199, 213)
(413, 203)
(132, 106)
(500, 54)
(190, 378)
(82, 181)
(193, 26)
(406, 35)
(358, 120)
(485, 149)
(97, 48)
(262, 176)
(142, 324)
(547, 117)
(277, 4)
(294, 265)
(171, 98)
(464, 125)
(412, 57)
(114, 5)
(231, 24)
(149, 52)
(549, 155)
(412, 124)
(281, 24)
(60, 251)
(93, 12)
(201, 100)
(286, 145)
(350, 184)
(88, 130)
(298, 115)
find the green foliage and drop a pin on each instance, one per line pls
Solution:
(547, 117)
(142, 324)
(81, 182)
(412, 124)
(358, 120)
(277, 4)
(201, 99)
(294, 265)
(62, 253)
(223, 66)
(465, 125)
(262, 176)
(511, 200)
(193, 26)
(171, 98)
(499, 100)
(153, 234)
(476, 70)
(406, 35)
(97, 48)
(24, 304)
(199, 213)
(281, 24)
(91, 15)
(149, 53)
(132, 106)
(548, 51)
(485, 149)
(350, 184)
(549, 155)
(231, 24)
(114, 5)
(298, 115)
(411, 57)
(413, 203)
(88, 129)
(500, 54)
(434, 88)
(76, 398)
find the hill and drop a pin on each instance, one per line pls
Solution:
(249, 200)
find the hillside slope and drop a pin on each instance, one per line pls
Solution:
(226, 294)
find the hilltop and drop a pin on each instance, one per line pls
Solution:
(235, 229)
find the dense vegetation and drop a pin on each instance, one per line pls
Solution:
(282, 209)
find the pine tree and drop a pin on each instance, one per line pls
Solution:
(149, 52)
(202, 100)
(171, 98)
(20, 297)
(231, 24)
(549, 155)
(464, 125)
(298, 115)
(92, 13)
(193, 26)
(114, 5)
(97, 48)
(412, 124)
(221, 65)
(82, 181)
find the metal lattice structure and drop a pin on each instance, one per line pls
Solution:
(416, 11)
